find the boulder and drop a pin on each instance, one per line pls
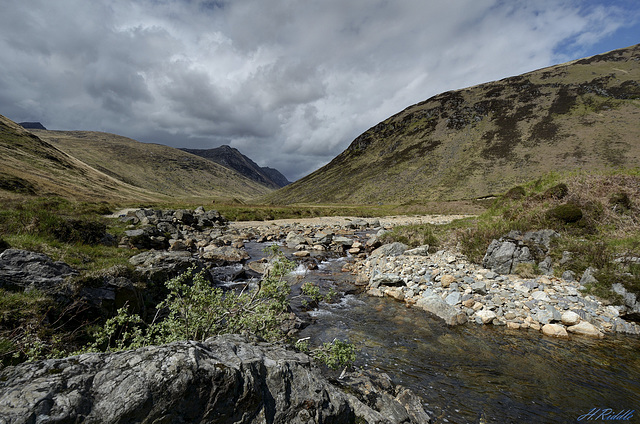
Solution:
(418, 251)
(438, 307)
(391, 249)
(570, 318)
(160, 266)
(223, 255)
(385, 279)
(585, 328)
(504, 255)
(554, 330)
(225, 379)
(22, 269)
(486, 316)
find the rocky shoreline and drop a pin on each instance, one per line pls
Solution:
(448, 286)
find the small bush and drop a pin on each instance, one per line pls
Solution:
(620, 202)
(567, 213)
(558, 191)
(515, 193)
(76, 230)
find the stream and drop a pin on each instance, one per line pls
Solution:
(478, 374)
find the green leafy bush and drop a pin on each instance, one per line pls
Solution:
(194, 310)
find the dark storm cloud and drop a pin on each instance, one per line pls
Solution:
(288, 82)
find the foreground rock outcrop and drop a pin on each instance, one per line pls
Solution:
(227, 379)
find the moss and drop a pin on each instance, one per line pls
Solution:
(567, 213)
(516, 193)
(558, 191)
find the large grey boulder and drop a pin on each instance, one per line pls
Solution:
(224, 380)
(435, 305)
(504, 255)
(391, 249)
(22, 269)
(160, 266)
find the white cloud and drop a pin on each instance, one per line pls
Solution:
(288, 82)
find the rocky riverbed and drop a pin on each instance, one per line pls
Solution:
(448, 286)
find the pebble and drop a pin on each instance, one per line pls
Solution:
(547, 303)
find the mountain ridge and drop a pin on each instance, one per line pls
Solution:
(232, 158)
(482, 140)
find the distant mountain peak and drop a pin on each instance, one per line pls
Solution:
(32, 125)
(232, 158)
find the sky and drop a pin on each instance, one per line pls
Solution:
(289, 83)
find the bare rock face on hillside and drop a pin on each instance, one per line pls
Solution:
(227, 379)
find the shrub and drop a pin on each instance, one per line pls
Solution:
(567, 213)
(194, 310)
(558, 191)
(515, 193)
(620, 202)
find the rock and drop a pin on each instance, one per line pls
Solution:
(569, 276)
(585, 328)
(513, 325)
(301, 254)
(554, 330)
(386, 279)
(394, 292)
(160, 266)
(438, 307)
(224, 255)
(342, 241)
(418, 251)
(479, 287)
(391, 249)
(294, 239)
(486, 316)
(570, 318)
(225, 379)
(22, 269)
(541, 237)
(446, 280)
(499, 256)
(540, 295)
(453, 298)
(587, 277)
(546, 266)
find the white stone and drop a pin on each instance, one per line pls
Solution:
(486, 316)
(570, 318)
(540, 295)
(554, 330)
(585, 328)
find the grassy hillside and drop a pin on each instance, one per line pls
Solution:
(482, 140)
(31, 166)
(159, 169)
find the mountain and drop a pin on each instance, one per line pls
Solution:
(232, 158)
(165, 171)
(32, 125)
(483, 140)
(31, 166)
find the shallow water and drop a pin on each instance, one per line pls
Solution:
(477, 373)
(471, 373)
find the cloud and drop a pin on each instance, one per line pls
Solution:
(288, 82)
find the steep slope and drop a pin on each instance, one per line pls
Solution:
(153, 167)
(485, 139)
(232, 158)
(29, 165)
